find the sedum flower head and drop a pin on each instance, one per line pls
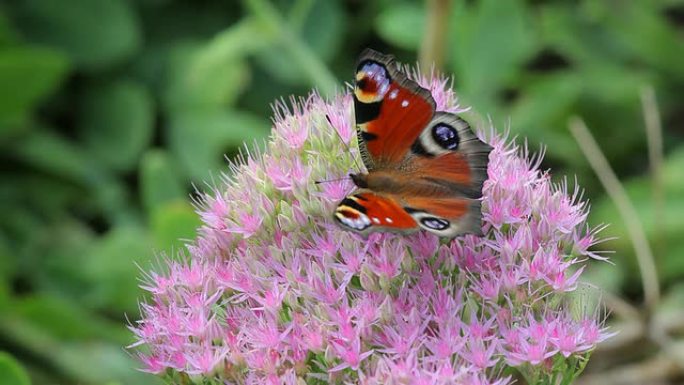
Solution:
(271, 292)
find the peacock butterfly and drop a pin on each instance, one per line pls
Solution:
(425, 167)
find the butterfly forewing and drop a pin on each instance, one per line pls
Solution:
(390, 110)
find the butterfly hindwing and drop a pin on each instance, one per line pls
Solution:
(446, 217)
(366, 211)
(448, 153)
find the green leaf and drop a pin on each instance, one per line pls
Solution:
(610, 87)
(116, 123)
(95, 362)
(302, 44)
(28, 190)
(67, 321)
(323, 28)
(27, 75)
(200, 139)
(83, 361)
(612, 83)
(572, 33)
(95, 33)
(543, 119)
(198, 80)
(159, 181)
(111, 269)
(233, 44)
(402, 25)
(7, 264)
(99, 272)
(8, 36)
(645, 34)
(12, 372)
(321, 31)
(588, 92)
(50, 153)
(491, 40)
(672, 170)
(5, 298)
(53, 257)
(173, 224)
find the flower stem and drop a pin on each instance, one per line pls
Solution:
(431, 51)
(654, 136)
(298, 13)
(617, 193)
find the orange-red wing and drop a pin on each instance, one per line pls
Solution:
(451, 166)
(450, 208)
(446, 217)
(390, 110)
(449, 154)
(384, 210)
(367, 211)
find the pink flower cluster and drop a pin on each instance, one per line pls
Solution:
(271, 292)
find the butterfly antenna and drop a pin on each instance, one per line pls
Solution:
(331, 180)
(358, 167)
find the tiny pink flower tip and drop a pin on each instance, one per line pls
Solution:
(335, 189)
(340, 119)
(246, 224)
(480, 355)
(217, 211)
(151, 363)
(314, 339)
(350, 354)
(177, 361)
(271, 300)
(488, 288)
(293, 133)
(560, 282)
(279, 174)
(267, 334)
(567, 341)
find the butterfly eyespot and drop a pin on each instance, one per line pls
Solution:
(446, 136)
(372, 79)
(435, 223)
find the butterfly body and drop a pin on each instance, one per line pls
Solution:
(425, 167)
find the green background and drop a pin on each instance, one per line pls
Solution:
(112, 110)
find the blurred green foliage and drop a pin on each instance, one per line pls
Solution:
(110, 109)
